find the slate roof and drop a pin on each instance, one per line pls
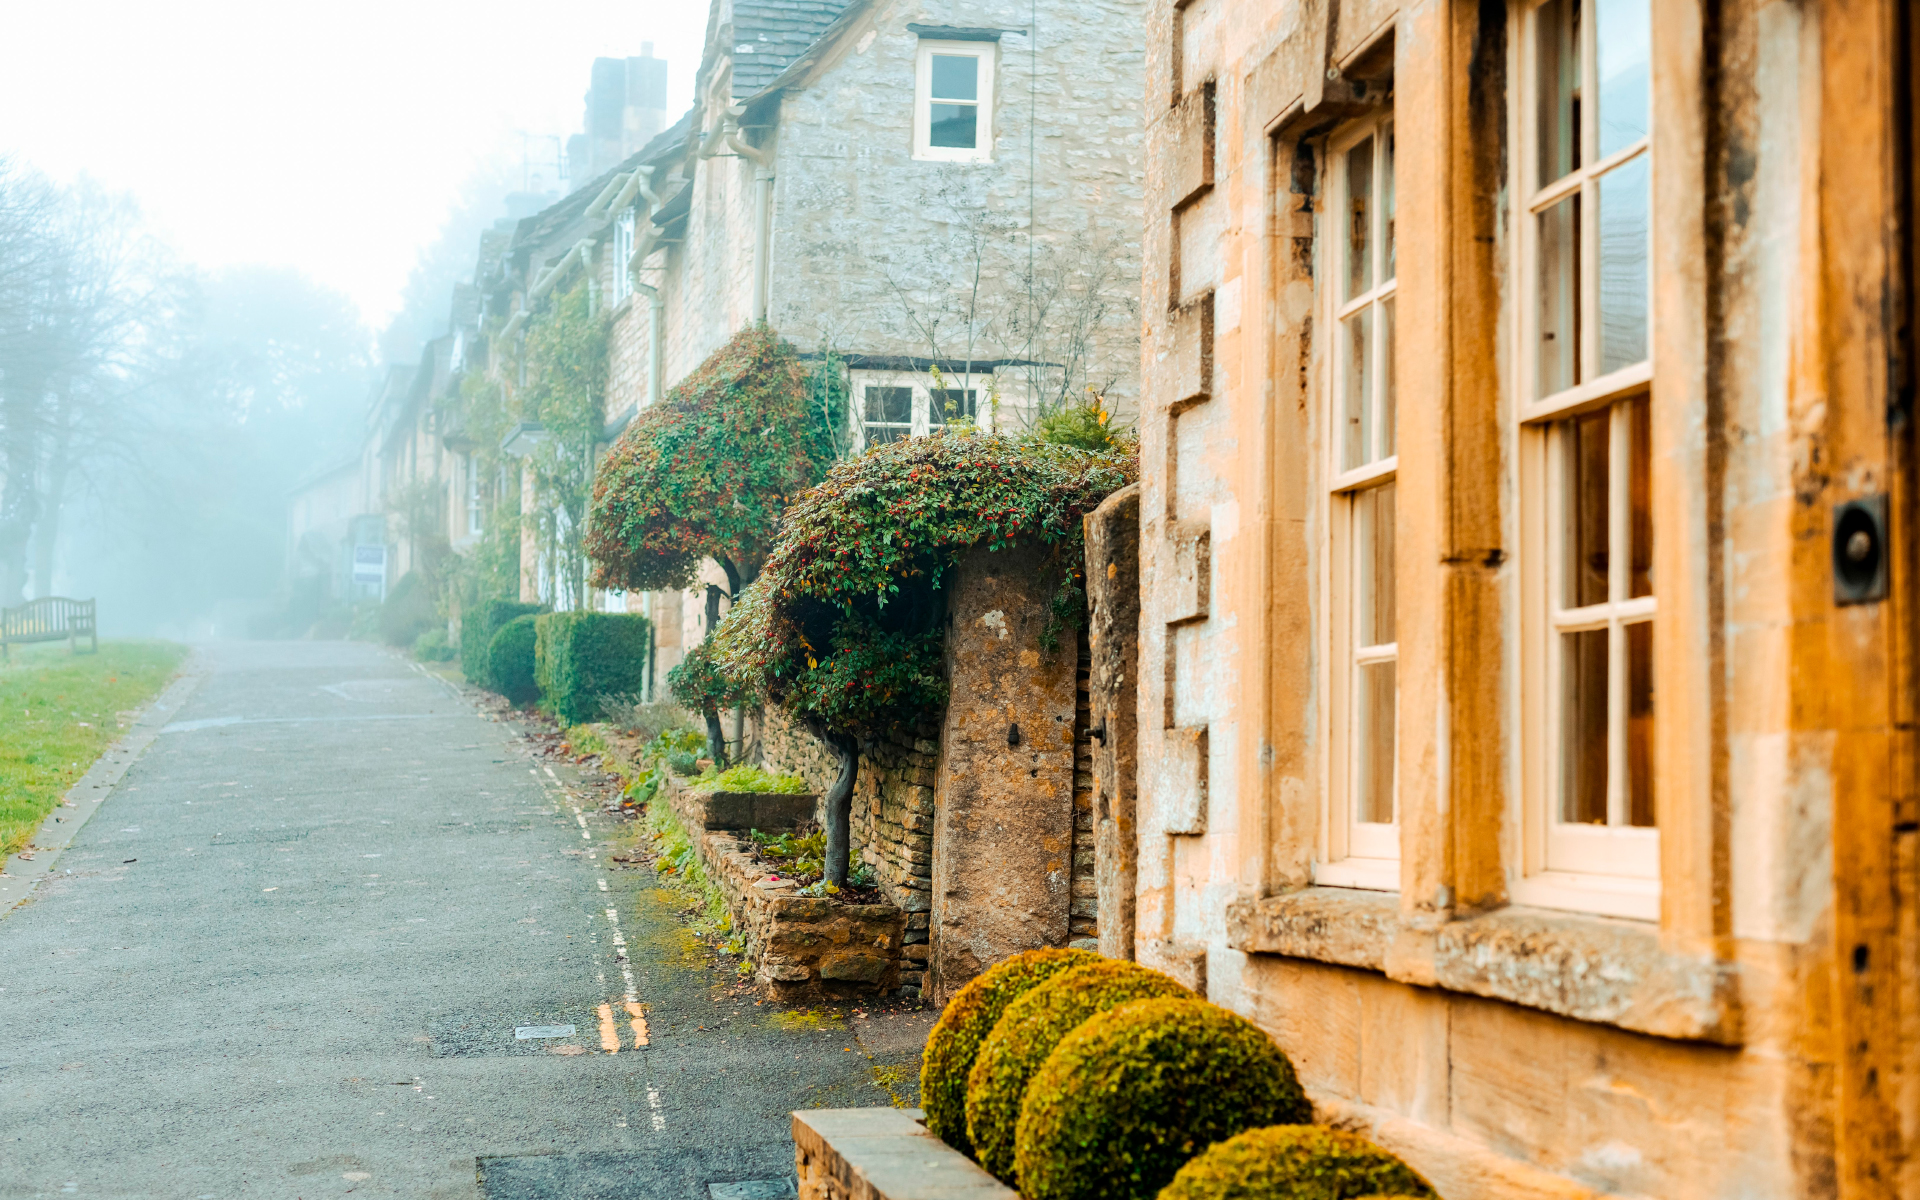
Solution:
(779, 32)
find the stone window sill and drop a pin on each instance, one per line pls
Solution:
(1588, 968)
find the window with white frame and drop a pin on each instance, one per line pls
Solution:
(1586, 459)
(953, 101)
(622, 251)
(1361, 847)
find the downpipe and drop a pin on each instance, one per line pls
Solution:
(762, 160)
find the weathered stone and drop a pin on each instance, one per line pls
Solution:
(753, 810)
(882, 1154)
(1113, 600)
(915, 953)
(1003, 817)
(851, 966)
(785, 972)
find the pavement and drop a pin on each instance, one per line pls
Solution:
(325, 934)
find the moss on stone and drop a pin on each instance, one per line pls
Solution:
(1028, 1032)
(965, 1023)
(1297, 1162)
(1127, 1098)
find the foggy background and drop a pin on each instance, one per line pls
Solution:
(218, 221)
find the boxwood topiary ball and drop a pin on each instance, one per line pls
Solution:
(968, 1018)
(1296, 1162)
(1126, 1099)
(1028, 1031)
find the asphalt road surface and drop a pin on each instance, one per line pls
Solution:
(325, 938)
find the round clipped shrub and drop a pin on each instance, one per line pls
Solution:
(965, 1023)
(510, 661)
(1126, 1099)
(1296, 1162)
(1028, 1031)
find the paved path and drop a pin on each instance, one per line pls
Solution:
(298, 939)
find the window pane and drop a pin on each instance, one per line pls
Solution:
(1389, 268)
(955, 77)
(876, 434)
(1557, 48)
(950, 404)
(1638, 414)
(1640, 724)
(890, 404)
(1586, 500)
(1623, 265)
(1356, 333)
(952, 126)
(1557, 366)
(1374, 623)
(1373, 791)
(1387, 414)
(1583, 727)
(1359, 219)
(1621, 44)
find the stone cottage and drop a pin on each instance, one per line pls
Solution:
(1526, 704)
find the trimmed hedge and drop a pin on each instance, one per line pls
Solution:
(965, 1023)
(1297, 1162)
(510, 660)
(408, 611)
(1126, 1099)
(476, 635)
(580, 657)
(1027, 1033)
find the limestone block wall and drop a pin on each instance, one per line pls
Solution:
(863, 232)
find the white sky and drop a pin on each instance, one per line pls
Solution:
(330, 137)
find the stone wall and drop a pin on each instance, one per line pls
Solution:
(1083, 910)
(892, 817)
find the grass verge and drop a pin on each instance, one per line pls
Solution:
(60, 712)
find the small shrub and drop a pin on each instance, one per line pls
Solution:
(510, 661)
(644, 719)
(1127, 1098)
(682, 762)
(407, 612)
(748, 778)
(969, 1017)
(1296, 1162)
(432, 646)
(582, 656)
(1086, 426)
(476, 635)
(1028, 1031)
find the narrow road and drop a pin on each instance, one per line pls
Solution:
(325, 938)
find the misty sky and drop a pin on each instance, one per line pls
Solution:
(327, 137)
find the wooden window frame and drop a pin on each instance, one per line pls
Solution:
(1351, 853)
(982, 149)
(1613, 870)
(623, 235)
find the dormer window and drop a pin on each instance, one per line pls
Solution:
(953, 102)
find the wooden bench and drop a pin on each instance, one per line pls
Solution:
(49, 619)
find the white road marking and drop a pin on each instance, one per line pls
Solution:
(653, 1102)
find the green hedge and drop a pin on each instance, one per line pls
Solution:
(476, 635)
(968, 1018)
(1027, 1033)
(580, 657)
(510, 660)
(1127, 1098)
(1296, 1162)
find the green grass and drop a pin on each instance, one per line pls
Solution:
(58, 713)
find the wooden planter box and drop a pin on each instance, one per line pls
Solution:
(883, 1154)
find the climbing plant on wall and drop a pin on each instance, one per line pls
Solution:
(565, 392)
(844, 626)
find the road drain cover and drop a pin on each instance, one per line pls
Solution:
(524, 1032)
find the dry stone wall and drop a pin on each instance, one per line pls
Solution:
(892, 814)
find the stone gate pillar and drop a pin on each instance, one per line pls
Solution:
(1003, 792)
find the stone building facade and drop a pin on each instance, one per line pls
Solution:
(1526, 684)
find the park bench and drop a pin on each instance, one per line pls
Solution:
(48, 619)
